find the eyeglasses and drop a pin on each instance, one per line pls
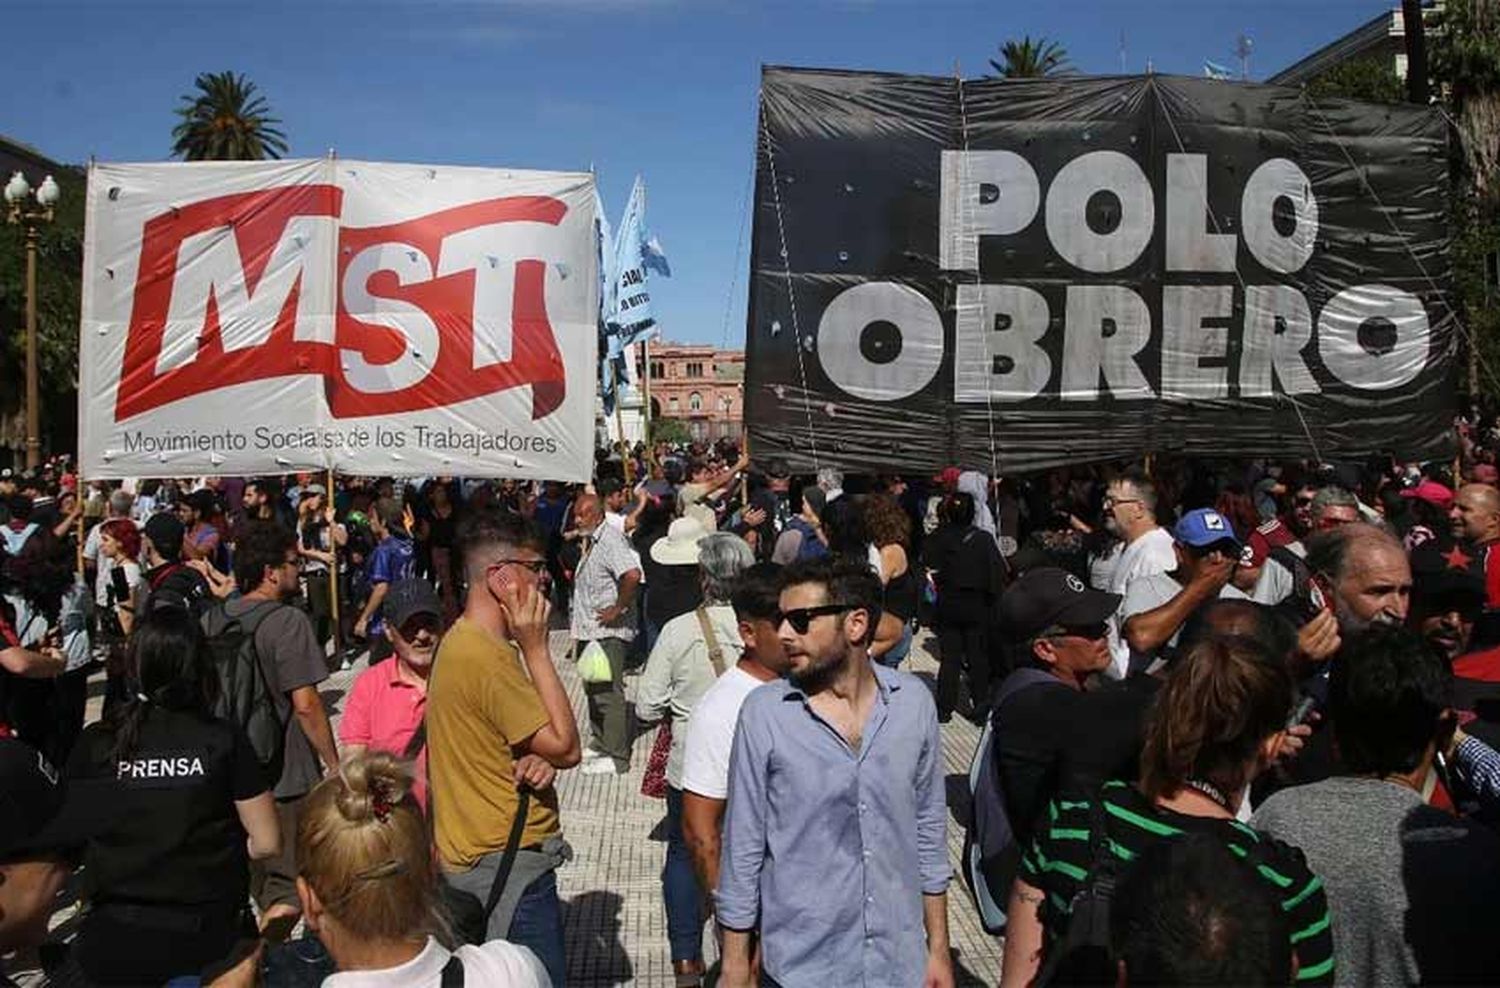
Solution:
(800, 618)
(1304, 502)
(537, 566)
(1092, 632)
(1110, 502)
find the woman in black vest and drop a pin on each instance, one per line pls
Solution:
(180, 804)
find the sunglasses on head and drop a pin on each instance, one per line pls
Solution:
(800, 618)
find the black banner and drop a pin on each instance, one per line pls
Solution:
(1050, 271)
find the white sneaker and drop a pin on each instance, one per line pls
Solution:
(592, 755)
(603, 765)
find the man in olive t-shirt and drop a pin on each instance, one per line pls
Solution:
(496, 722)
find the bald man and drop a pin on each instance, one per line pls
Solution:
(1366, 574)
(1476, 525)
(604, 587)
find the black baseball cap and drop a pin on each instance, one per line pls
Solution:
(34, 814)
(408, 598)
(1051, 596)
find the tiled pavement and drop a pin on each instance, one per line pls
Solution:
(616, 925)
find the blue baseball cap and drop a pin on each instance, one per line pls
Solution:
(1203, 527)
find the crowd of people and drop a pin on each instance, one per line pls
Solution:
(1240, 720)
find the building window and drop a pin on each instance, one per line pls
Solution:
(726, 404)
(695, 402)
(695, 370)
(658, 371)
(672, 404)
(698, 430)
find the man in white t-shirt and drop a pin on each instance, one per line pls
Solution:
(1130, 512)
(710, 729)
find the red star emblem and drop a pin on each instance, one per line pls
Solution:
(1457, 558)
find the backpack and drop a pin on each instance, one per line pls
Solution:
(1084, 951)
(988, 835)
(245, 695)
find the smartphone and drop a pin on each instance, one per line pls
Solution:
(120, 585)
(1301, 712)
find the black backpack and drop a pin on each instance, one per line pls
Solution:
(990, 854)
(1083, 955)
(245, 695)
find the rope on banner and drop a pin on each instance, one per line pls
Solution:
(1244, 290)
(1405, 241)
(739, 253)
(791, 293)
(989, 360)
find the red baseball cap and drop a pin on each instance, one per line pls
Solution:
(948, 477)
(1432, 492)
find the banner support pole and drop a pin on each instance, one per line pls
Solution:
(646, 395)
(333, 570)
(624, 449)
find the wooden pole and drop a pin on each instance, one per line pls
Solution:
(624, 449)
(333, 568)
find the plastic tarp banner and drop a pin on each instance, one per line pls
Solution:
(263, 317)
(1041, 272)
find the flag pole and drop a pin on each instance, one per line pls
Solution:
(624, 449)
(333, 570)
(646, 394)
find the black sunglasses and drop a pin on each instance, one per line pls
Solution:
(800, 618)
(1093, 632)
(537, 566)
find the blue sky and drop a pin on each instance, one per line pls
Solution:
(660, 87)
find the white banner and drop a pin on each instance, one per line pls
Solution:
(263, 317)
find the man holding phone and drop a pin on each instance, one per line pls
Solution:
(1157, 605)
(494, 728)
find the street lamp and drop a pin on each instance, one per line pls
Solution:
(16, 191)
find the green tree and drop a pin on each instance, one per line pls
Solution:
(1028, 59)
(670, 431)
(1373, 80)
(226, 121)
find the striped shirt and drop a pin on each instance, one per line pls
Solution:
(1058, 860)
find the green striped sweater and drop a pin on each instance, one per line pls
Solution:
(1059, 858)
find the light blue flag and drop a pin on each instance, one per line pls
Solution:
(605, 242)
(636, 254)
(1216, 71)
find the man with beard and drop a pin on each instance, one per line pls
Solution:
(1364, 574)
(1363, 578)
(835, 798)
(286, 646)
(388, 701)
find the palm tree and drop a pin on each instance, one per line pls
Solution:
(1027, 59)
(226, 121)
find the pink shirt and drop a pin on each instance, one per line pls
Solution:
(383, 712)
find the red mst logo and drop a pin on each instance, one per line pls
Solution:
(430, 311)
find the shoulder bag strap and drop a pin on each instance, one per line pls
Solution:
(715, 653)
(453, 972)
(512, 846)
(415, 745)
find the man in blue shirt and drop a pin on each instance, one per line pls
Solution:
(835, 845)
(390, 563)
